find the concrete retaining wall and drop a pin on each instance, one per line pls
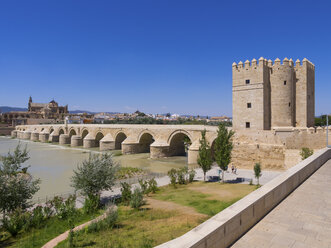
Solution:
(226, 227)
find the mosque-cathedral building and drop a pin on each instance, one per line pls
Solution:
(37, 113)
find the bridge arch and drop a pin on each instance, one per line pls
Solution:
(61, 131)
(179, 143)
(72, 132)
(84, 133)
(119, 138)
(51, 130)
(145, 139)
(98, 137)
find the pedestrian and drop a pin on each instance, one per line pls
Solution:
(235, 170)
(232, 168)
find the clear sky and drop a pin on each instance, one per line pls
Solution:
(157, 56)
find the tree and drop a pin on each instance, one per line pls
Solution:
(17, 186)
(187, 143)
(223, 147)
(257, 172)
(95, 174)
(306, 152)
(204, 159)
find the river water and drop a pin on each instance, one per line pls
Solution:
(54, 164)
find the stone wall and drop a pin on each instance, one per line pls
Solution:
(5, 129)
(270, 147)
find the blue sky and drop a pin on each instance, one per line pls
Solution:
(156, 56)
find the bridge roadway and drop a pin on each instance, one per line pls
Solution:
(303, 219)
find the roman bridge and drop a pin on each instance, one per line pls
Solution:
(158, 140)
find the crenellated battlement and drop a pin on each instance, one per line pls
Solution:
(277, 62)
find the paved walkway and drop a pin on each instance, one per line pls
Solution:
(303, 219)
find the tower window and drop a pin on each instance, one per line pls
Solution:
(249, 105)
(247, 81)
(284, 82)
(248, 124)
(289, 104)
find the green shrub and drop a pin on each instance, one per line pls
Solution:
(37, 218)
(70, 206)
(107, 223)
(126, 193)
(173, 176)
(15, 222)
(137, 199)
(111, 217)
(93, 227)
(91, 204)
(47, 210)
(144, 186)
(152, 185)
(181, 175)
(306, 152)
(64, 209)
(71, 237)
(191, 175)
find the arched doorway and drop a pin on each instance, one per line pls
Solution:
(179, 144)
(145, 141)
(120, 137)
(98, 137)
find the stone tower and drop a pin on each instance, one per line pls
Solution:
(270, 94)
(29, 104)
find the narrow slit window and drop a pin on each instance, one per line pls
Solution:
(284, 82)
(289, 104)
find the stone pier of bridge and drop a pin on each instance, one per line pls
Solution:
(158, 140)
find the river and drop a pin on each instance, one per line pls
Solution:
(54, 164)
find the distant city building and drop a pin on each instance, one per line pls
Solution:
(37, 113)
(50, 110)
(219, 119)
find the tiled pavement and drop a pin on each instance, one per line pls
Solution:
(303, 219)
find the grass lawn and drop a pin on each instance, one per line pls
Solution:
(205, 198)
(38, 237)
(169, 213)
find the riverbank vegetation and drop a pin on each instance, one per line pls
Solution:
(129, 172)
(146, 215)
(168, 213)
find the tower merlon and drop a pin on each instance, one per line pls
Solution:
(277, 61)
